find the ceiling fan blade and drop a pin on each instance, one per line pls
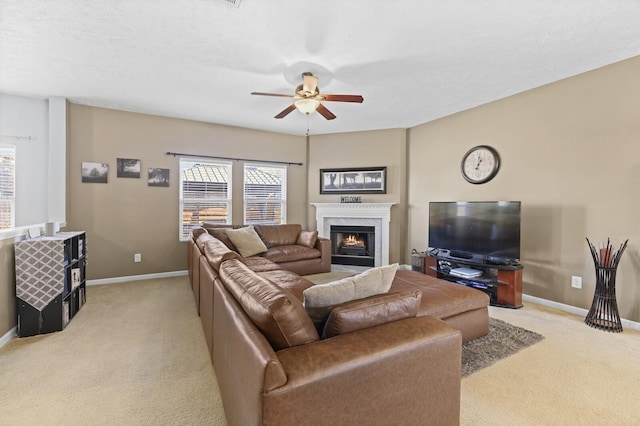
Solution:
(309, 83)
(286, 111)
(343, 98)
(325, 112)
(272, 94)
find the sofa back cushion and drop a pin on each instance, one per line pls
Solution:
(279, 235)
(217, 252)
(372, 311)
(196, 232)
(275, 311)
(307, 238)
(221, 234)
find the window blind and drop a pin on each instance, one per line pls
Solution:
(265, 193)
(7, 186)
(205, 194)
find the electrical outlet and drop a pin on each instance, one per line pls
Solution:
(576, 282)
(137, 257)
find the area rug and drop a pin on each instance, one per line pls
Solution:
(503, 340)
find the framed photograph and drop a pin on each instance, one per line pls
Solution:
(128, 168)
(158, 177)
(364, 180)
(94, 172)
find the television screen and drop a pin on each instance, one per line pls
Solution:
(486, 228)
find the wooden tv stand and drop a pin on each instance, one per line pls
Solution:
(503, 283)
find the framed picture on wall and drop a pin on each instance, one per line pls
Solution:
(158, 177)
(94, 172)
(362, 180)
(128, 168)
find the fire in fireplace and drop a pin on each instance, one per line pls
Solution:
(353, 245)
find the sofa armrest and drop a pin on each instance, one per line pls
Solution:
(403, 372)
(324, 245)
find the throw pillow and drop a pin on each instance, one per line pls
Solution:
(320, 299)
(307, 238)
(372, 311)
(246, 241)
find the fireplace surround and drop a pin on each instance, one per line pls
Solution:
(376, 215)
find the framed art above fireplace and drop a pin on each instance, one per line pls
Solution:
(362, 180)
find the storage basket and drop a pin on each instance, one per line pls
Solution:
(418, 261)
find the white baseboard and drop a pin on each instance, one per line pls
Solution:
(8, 336)
(117, 280)
(574, 310)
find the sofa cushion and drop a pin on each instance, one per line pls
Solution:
(275, 311)
(260, 264)
(216, 253)
(247, 241)
(221, 234)
(441, 299)
(288, 280)
(196, 232)
(307, 238)
(320, 299)
(279, 235)
(202, 238)
(290, 253)
(372, 311)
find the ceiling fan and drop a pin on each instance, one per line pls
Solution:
(308, 98)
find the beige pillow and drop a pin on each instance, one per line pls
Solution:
(320, 299)
(247, 241)
(307, 238)
(372, 311)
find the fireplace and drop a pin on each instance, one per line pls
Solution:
(353, 245)
(375, 215)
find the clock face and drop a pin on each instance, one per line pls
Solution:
(480, 164)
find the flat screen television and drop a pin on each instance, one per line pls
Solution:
(476, 228)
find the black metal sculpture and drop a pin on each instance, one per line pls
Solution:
(604, 308)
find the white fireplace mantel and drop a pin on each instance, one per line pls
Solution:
(377, 215)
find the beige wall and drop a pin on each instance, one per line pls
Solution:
(365, 149)
(570, 152)
(126, 216)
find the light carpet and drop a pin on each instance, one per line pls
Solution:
(135, 355)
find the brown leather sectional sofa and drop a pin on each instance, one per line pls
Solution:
(273, 368)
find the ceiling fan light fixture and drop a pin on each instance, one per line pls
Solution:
(307, 106)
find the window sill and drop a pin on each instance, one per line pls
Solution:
(6, 234)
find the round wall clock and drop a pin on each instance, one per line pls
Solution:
(480, 164)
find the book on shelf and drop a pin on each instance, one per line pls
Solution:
(80, 247)
(75, 277)
(65, 313)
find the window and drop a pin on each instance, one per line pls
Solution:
(265, 193)
(205, 194)
(7, 186)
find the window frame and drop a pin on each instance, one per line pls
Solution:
(12, 198)
(283, 191)
(181, 202)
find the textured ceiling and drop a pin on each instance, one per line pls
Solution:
(413, 61)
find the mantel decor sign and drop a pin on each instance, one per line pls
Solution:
(364, 180)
